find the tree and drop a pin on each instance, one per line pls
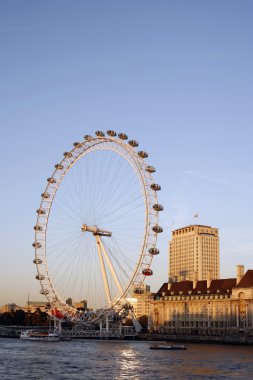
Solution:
(38, 318)
(128, 322)
(6, 319)
(19, 318)
(144, 322)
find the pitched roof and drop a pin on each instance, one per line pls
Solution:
(201, 286)
(222, 286)
(247, 280)
(182, 286)
(176, 287)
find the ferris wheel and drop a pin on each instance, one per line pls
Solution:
(97, 227)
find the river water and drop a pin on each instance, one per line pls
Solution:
(91, 359)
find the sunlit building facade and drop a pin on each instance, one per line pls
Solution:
(205, 307)
(194, 253)
(141, 302)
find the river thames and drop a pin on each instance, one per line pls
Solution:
(86, 359)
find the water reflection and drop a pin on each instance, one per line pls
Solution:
(128, 364)
(89, 360)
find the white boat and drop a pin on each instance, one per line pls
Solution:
(167, 346)
(39, 335)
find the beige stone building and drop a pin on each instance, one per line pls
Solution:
(194, 253)
(9, 307)
(31, 307)
(141, 301)
(205, 307)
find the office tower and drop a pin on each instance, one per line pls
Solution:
(194, 253)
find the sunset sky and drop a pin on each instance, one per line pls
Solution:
(177, 76)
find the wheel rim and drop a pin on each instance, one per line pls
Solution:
(69, 255)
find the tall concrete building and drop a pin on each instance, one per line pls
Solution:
(194, 253)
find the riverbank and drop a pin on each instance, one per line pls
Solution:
(236, 338)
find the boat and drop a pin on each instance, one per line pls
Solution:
(167, 346)
(39, 335)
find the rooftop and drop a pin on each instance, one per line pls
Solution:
(193, 225)
(247, 280)
(221, 286)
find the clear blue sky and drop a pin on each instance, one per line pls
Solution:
(175, 75)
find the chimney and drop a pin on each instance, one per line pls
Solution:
(169, 283)
(195, 279)
(208, 279)
(239, 273)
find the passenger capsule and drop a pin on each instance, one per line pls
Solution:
(157, 207)
(157, 229)
(138, 291)
(36, 245)
(40, 277)
(122, 136)
(44, 291)
(87, 137)
(37, 261)
(67, 154)
(100, 134)
(142, 154)
(154, 251)
(147, 272)
(155, 187)
(51, 180)
(59, 166)
(133, 143)
(37, 228)
(111, 133)
(150, 169)
(77, 144)
(40, 211)
(45, 195)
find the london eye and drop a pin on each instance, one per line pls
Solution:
(97, 226)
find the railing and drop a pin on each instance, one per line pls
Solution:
(115, 332)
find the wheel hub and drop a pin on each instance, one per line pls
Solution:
(95, 230)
